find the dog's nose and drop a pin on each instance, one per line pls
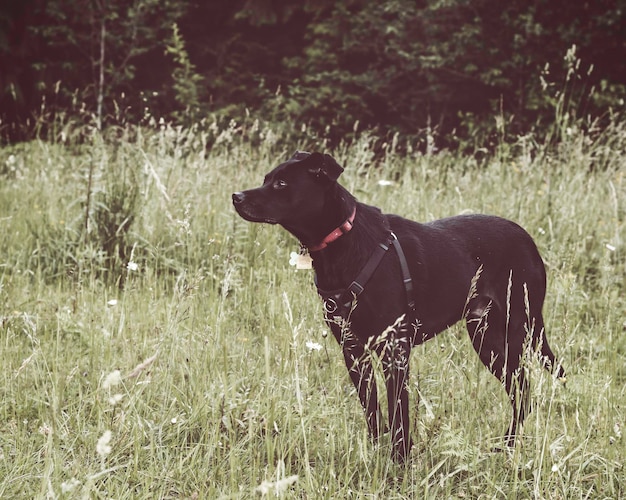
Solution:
(238, 197)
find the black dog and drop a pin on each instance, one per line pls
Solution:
(483, 269)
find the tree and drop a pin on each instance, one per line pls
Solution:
(417, 68)
(408, 66)
(86, 52)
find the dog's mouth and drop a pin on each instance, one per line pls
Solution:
(245, 213)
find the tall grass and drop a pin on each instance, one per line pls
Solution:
(154, 345)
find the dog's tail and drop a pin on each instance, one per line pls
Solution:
(549, 360)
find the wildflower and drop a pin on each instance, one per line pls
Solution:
(278, 487)
(45, 430)
(132, 266)
(313, 346)
(112, 302)
(184, 226)
(116, 398)
(610, 247)
(112, 379)
(103, 448)
(68, 486)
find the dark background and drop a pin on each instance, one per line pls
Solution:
(455, 70)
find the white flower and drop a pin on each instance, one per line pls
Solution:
(278, 487)
(313, 346)
(103, 448)
(384, 182)
(610, 247)
(68, 486)
(132, 266)
(112, 302)
(45, 430)
(112, 379)
(116, 398)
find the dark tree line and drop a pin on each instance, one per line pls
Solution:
(406, 66)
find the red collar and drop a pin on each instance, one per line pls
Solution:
(336, 233)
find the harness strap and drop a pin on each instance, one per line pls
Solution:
(406, 275)
(339, 302)
(358, 285)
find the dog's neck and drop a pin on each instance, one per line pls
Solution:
(339, 262)
(336, 233)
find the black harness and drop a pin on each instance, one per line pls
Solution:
(338, 303)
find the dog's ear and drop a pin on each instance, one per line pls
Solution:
(323, 165)
(299, 156)
(331, 168)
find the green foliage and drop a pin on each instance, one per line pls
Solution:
(199, 366)
(90, 236)
(91, 54)
(110, 216)
(447, 66)
(454, 72)
(188, 84)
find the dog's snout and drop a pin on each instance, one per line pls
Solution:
(238, 197)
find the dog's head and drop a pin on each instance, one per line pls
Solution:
(294, 192)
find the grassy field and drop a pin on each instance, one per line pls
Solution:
(154, 345)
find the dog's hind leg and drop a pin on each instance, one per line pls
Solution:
(359, 364)
(518, 389)
(499, 344)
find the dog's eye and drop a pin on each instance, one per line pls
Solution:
(279, 184)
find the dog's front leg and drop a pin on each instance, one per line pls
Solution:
(396, 355)
(359, 364)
